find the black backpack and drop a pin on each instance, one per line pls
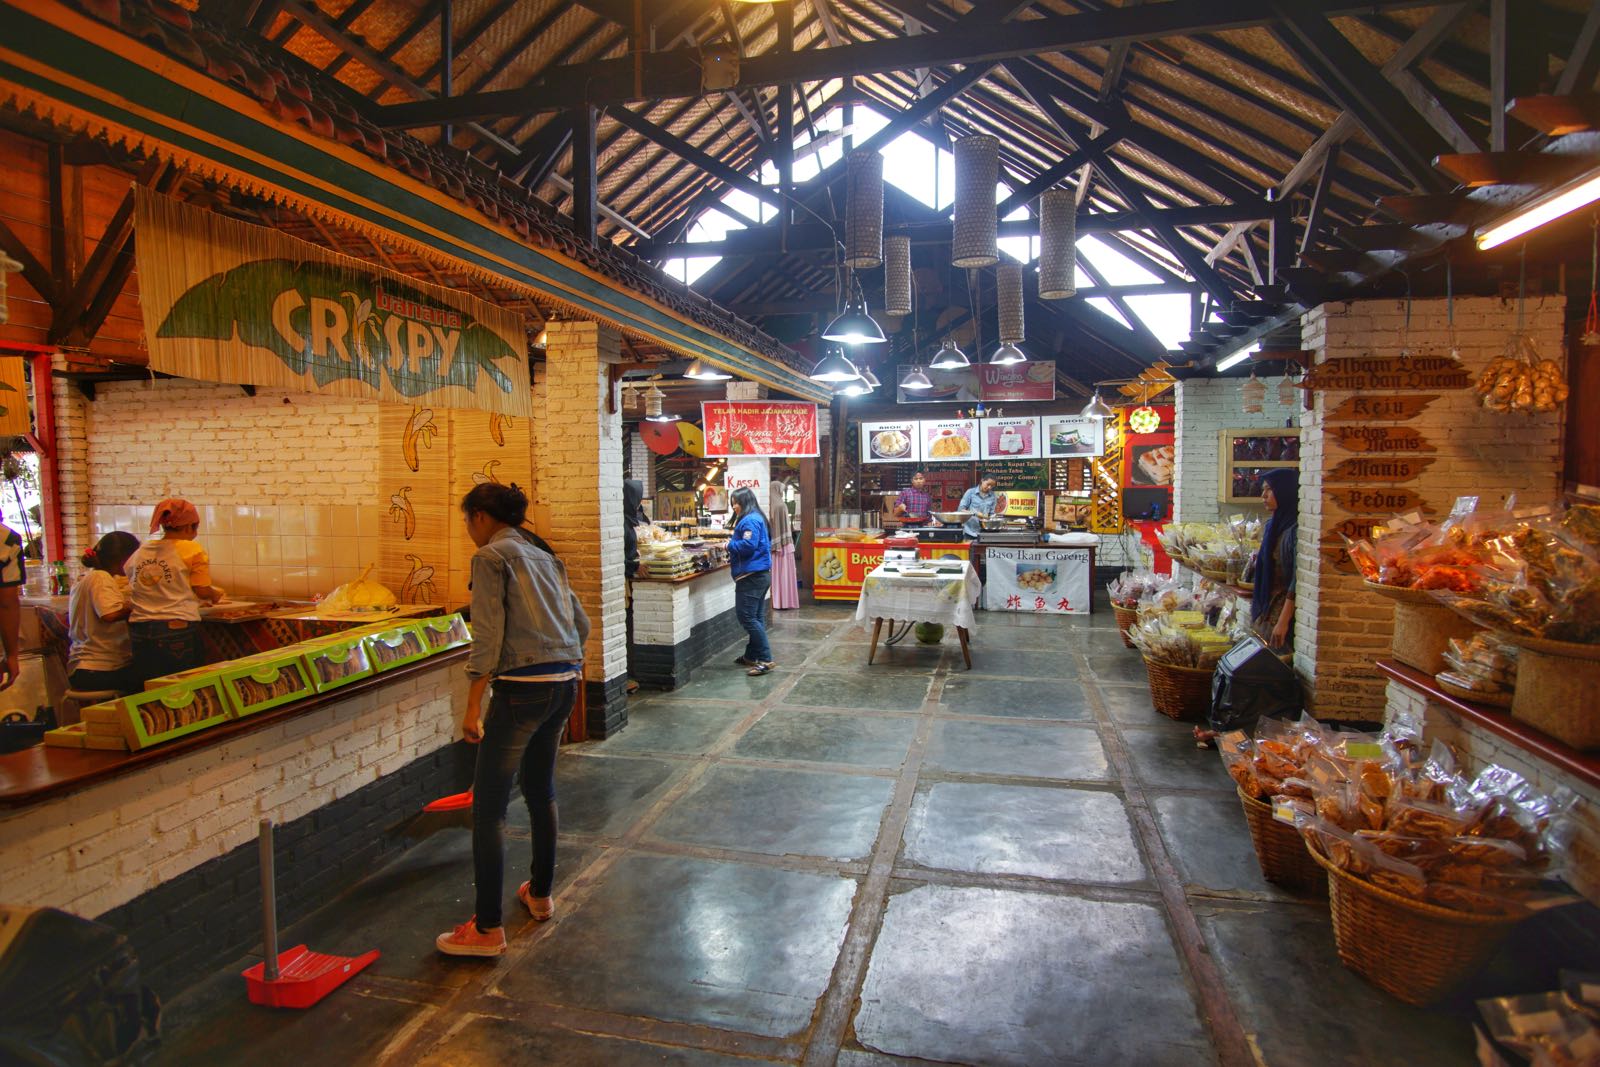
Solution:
(70, 992)
(1250, 684)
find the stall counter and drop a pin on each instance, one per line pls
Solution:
(678, 623)
(839, 567)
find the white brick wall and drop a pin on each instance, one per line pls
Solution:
(1340, 627)
(72, 465)
(104, 845)
(664, 614)
(1205, 408)
(1479, 748)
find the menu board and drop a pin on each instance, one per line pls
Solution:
(950, 441)
(1033, 380)
(1017, 474)
(891, 442)
(1072, 436)
(759, 428)
(1010, 438)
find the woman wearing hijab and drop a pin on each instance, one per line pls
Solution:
(785, 578)
(167, 579)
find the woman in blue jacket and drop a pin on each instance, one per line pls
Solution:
(750, 551)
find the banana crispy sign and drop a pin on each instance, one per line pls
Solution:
(227, 301)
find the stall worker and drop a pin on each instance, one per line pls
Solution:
(982, 501)
(101, 659)
(13, 575)
(167, 581)
(914, 506)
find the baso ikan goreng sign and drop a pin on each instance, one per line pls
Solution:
(227, 301)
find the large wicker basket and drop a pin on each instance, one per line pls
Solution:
(1179, 692)
(1554, 694)
(1423, 627)
(1126, 617)
(1281, 851)
(1415, 951)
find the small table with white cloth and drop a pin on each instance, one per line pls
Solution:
(933, 592)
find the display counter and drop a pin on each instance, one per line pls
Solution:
(678, 623)
(839, 567)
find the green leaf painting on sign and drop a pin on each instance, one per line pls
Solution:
(322, 320)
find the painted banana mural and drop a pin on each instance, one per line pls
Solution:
(487, 474)
(401, 511)
(497, 427)
(418, 587)
(420, 430)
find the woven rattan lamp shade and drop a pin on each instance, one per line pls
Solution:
(1008, 289)
(897, 275)
(977, 171)
(863, 210)
(1058, 242)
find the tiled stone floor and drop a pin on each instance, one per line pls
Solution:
(837, 863)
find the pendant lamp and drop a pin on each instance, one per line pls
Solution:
(652, 406)
(916, 381)
(1058, 244)
(1008, 288)
(705, 372)
(1097, 408)
(897, 275)
(1144, 419)
(863, 210)
(833, 367)
(977, 163)
(1007, 354)
(1252, 392)
(853, 326)
(949, 357)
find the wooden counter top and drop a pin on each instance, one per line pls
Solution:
(682, 578)
(44, 771)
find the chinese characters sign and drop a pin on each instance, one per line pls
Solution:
(752, 428)
(1042, 581)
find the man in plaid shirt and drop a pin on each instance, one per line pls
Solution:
(914, 505)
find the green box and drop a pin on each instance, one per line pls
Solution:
(206, 673)
(257, 683)
(395, 646)
(166, 714)
(334, 663)
(443, 632)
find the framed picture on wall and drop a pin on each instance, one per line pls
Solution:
(1068, 436)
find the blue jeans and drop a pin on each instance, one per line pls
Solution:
(521, 731)
(750, 606)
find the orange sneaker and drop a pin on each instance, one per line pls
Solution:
(541, 908)
(468, 940)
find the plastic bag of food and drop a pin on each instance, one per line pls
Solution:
(1423, 818)
(1582, 990)
(1545, 1027)
(1238, 758)
(363, 594)
(1362, 858)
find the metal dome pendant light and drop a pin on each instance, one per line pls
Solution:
(1058, 244)
(977, 165)
(1097, 408)
(833, 367)
(1008, 289)
(705, 372)
(916, 381)
(949, 357)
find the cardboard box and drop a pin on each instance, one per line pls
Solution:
(261, 682)
(395, 646)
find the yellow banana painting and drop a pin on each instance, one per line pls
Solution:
(497, 427)
(418, 587)
(400, 510)
(419, 434)
(487, 474)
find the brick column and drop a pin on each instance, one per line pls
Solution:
(578, 460)
(642, 462)
(72, 465)
(1340, 627)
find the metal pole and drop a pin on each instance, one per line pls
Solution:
(269, 906)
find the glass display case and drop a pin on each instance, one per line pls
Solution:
(1247, 455)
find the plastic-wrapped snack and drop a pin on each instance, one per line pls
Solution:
(1421, 818)
(1238, 757)
(1544, 1027)
(1582, 990)
(1432, 780)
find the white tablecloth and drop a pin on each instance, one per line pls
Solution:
(946, 599)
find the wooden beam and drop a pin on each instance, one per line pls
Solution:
(1583, 62)
(1557, 115)
(730, 176)
(676, 73)
(585, 201)
(1319, 200)
(33, 272)
(1478, 169)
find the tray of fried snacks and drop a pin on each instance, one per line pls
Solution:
(262, 684)
(335, 661)
(1274, 761)
(1548, 1029)
(157, 715)
(444, 632)
(395, 647)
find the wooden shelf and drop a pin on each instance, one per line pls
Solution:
(1584, 766)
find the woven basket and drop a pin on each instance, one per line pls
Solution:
(1281, 851)
(1179, 692)
(1126, 617)
(1412, 950)
(1488, 700)
(1422, 633)
(1554, 694)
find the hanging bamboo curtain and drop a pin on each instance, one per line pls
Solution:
(225, 301)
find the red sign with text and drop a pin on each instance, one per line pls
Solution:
(754, 428)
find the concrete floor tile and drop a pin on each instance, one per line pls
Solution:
(1303, 1007)
(1130, 704)
(1164, 754)
(779, 812)
(1124, 667)
(907, 656)
(872, 690)
(998, 977)
(964, 695)
(721, 680)
(728, 945)
(828, 737)
(992, 657)
(486, 1040)
(1067, 834)
(672, 724)
(603, 794)
(1020, 749)
(1208, 839)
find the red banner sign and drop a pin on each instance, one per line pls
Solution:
(1017, 381)
(754, 428)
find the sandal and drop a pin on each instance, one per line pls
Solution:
(759, 668)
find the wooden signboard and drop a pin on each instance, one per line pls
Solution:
(1381, 408)
(1376, 500)
(1371, 373)
(1386, 439)
(1373, 469)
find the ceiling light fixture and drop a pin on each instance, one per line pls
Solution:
(1562, 201)
(834, 367)
(853, 326)
(949, 357)
(916, 381)
(1007, 354)
(652, 406)
(704, 372)
(855, 387)
(1233, 361)
(1097, 408)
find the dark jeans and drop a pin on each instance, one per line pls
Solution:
(159, 649)
(521, 731)
(122, 680)
(749, 604)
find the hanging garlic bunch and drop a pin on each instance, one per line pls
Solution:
(1521, 381)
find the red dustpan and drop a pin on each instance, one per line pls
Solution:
(453, 802)
(297, 978)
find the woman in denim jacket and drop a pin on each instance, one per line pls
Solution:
(528, 632)
(750, 551)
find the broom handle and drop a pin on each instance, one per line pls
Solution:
(269, 905)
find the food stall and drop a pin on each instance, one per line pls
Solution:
(841, 561)
(682, 602)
